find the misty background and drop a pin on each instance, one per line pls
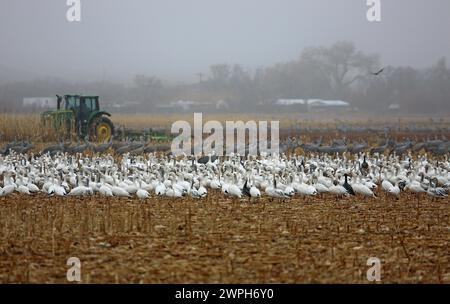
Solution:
(248, 54)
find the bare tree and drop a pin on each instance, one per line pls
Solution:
(341, 63)
(148, 86)
(220, 73)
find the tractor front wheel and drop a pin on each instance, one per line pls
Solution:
(102, 129)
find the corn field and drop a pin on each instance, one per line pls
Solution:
(219, 241)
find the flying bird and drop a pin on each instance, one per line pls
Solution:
(378, 73)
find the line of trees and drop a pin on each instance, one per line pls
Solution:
(337, 72)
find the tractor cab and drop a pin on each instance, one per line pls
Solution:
(81, 106)
(74, 102)
(83, 114)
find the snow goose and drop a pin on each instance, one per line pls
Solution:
(233, 191)
(173, 192)
(22, 189)
(55, 188)
(215, 184)
(142, 194)
(275, 192)
(160, 189)
(197, 192)
(7, 190)
(362, 189)
(321, 188)
(394, 191)
(118, 189)
(250, 192)
(386, 185)
(302, 188)
(105, 190)
(337, 189)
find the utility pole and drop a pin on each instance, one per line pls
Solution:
(200, 77)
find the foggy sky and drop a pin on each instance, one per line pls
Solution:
(175, 39)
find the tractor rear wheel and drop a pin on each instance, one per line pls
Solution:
(103, 129)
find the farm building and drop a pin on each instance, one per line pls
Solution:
(123, 105)
(290, 102)
(183, 105)
(189, 105)
(39, 102)
(312, 105)
(327, 105)
(222, 105)
(289, 105)
(394, 107)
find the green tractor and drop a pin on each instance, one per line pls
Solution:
(82, 115)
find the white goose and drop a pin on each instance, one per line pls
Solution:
(337, 189)
(275, 192)
(362, 189)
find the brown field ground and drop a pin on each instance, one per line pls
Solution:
(224, 241)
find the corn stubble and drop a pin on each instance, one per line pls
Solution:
(29, 126)
(219, 240)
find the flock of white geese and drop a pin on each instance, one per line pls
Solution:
(275, 176)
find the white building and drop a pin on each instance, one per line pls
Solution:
(314, 104)
(290, 102)
(394, 107)
(40, 102)
(185, 105)
(222, 105)
(319, 103)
